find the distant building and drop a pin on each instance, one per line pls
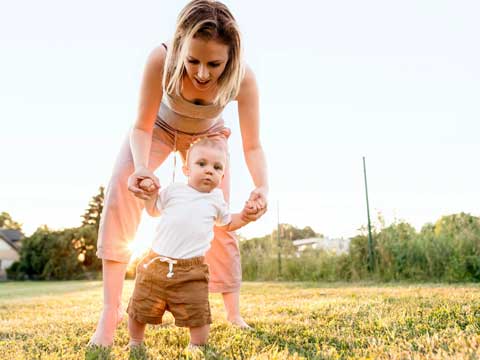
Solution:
(337, 245)
(10, 243)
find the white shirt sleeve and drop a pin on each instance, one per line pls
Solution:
(223, 212)
(162, 198)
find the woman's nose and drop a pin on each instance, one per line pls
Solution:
(203, 73)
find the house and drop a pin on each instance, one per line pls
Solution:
(337, 245)
(10, 243)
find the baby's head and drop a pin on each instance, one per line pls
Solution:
(205, 164)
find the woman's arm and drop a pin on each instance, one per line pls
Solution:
(249, 117)
(151, 93)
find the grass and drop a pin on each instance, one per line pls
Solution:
(54, 320)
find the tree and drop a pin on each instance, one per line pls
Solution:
(94, 210)
(60, 255)
(6, 222)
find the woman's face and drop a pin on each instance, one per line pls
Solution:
(205, 62)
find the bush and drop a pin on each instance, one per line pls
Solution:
(448, 250)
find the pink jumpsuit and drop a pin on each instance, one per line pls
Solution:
(179, 122)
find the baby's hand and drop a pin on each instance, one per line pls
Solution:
(147, 185)
(249, 208)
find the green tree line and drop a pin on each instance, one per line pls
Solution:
(448, 250)
(60, 254)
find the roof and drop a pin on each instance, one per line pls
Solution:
(307, 241)
(12, 237)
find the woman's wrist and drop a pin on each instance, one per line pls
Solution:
(140, 167)
(264, 188)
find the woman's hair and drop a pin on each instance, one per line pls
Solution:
(207, 20)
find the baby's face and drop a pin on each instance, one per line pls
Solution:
(205, 168)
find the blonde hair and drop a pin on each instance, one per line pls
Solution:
(212, 142)
(208, 20)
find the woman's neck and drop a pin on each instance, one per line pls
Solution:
(193, 95)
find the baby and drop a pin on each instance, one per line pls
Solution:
(174, 276)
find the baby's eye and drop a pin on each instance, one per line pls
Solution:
(218, 167)
(201, 163)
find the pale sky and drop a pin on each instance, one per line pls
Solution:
(397, 82)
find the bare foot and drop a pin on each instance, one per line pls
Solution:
(240, 323)
(194, 351)
(107, 324)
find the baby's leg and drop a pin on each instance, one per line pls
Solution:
(136, 330)
(199, 335)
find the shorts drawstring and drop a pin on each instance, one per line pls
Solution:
(163, 259)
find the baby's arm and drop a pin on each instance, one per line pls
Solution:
(238, 220)
(150, 203)
(236, 223)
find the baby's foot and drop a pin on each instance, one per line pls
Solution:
(138, 352)
(194, 351)
(240, 323)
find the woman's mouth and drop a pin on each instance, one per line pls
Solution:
(202, 83)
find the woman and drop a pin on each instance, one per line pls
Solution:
(185, 87)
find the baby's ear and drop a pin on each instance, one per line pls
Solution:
(186, 170)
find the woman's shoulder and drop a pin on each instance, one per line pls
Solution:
(157, 56)
(248, 83)
(153, 72)
(248, 76)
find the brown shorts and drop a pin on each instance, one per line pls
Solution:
(184, 294)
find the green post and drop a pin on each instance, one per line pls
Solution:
(371, 262)
(278, 241)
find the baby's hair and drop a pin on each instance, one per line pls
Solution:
(208, 142)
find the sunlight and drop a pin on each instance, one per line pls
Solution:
(143, 238)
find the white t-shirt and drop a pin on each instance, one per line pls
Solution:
(185, 227)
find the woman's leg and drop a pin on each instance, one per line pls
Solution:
(119, 221)
(223, 258)
(113, 274)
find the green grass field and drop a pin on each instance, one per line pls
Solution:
(54, 320)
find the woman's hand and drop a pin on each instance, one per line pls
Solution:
(137, 177)
(256, 205)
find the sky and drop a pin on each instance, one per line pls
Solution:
(396, 82)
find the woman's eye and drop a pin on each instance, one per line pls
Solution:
(214, 65)
(193, 62)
